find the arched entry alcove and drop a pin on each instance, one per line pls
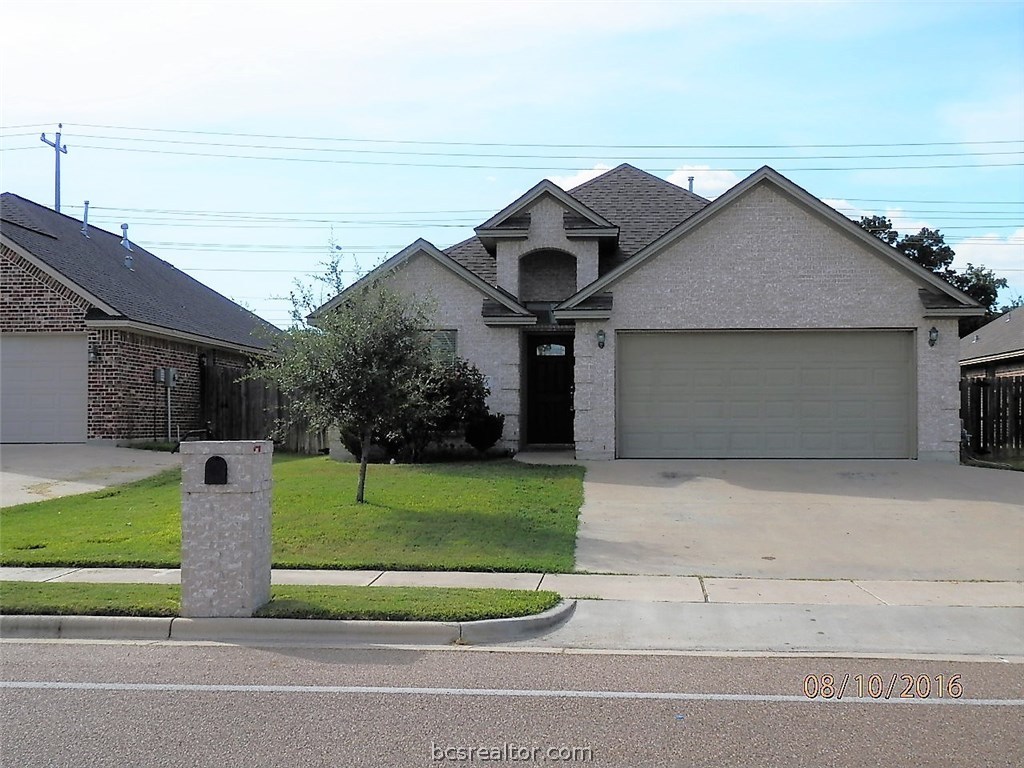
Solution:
(547, 275)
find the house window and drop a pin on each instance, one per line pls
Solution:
(550, 350)
(443, 344)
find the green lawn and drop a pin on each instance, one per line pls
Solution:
(287, 602)
(496, 515)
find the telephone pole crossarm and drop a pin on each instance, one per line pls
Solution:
(58, 149)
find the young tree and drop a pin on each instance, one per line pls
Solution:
(356, 368)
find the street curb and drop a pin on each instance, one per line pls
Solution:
(85, 627)
(283, 631)
(505, 630)
(310, 631)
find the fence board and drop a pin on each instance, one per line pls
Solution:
(249, 409)
(992, 411)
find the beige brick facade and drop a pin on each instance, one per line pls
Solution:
(456, 305)
(547, 231)
(767, 262)
(766, 258)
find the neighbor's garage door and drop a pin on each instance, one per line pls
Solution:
(787, 394)
(43, 386)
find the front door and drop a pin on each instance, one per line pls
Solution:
(549, 390)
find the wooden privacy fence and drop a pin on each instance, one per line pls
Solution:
(992, 411)
(249, 409)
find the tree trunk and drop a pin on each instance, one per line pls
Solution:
(364, 441)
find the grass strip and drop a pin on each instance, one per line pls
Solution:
(70, 599)
(482, 516)
(287, 602)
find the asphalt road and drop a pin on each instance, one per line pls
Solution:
(80, 704)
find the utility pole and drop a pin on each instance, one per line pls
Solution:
(57, 150)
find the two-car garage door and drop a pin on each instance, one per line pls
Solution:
(43, 388)
(765, 394)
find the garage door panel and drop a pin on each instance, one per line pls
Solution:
(765, 394)
(43, 388)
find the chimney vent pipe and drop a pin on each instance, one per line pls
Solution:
(128, 258)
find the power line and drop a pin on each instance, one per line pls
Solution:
(283, 213)
(483, 166)
(547, 146)
(926, 202)
(448, 153)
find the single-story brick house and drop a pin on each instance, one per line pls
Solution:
(996, 349)
(630, 318)
(86, 320)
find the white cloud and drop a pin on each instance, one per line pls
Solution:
(1003, 254)
(846, 208)
(568, 182)
(707, 182)
(996, 118)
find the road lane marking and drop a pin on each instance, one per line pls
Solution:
(491, 692)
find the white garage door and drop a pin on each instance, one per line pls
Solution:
(43, 388)
(786, 394)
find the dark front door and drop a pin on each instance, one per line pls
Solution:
(549, 377)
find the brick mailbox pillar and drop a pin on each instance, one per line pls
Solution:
(225, 527)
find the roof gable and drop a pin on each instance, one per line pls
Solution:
(640, 205)
(497, 297)
(962, 303)
(153, 292)
(511, 216)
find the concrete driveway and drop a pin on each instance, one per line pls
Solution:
(879, 520)
(38, 472)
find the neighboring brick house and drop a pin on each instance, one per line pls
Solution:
(996, 349)
(630, 318)
(86, 321)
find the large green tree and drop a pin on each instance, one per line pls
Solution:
(929, 249)
(357, 368)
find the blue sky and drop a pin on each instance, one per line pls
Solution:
(154, 97)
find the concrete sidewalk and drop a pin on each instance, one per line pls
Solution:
(641, 589)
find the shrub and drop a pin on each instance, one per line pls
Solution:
(485, 430)
(446, 396)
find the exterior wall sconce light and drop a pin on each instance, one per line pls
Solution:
(94, 352)
(601, 339)
(933, 336)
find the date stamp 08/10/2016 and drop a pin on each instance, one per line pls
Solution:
(895, 686)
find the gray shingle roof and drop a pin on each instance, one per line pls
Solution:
(473, 256)
(643, 206)
(1002, 336)
(152, 292)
